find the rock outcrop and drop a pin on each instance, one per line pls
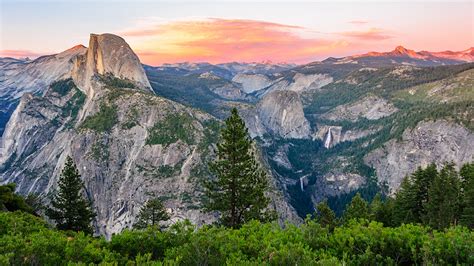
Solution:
(281, 113)
(252, 82)
(440, 142)
(370, 107)
(109, 54)
(19, 77)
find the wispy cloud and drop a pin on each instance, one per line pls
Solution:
(222, 40)
(358, 22)
(372, 34)
(19, 53)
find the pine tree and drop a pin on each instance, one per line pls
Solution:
(238, 191)
(443, 206)
(467, 174)
(357, 209)
(69, 209)
(405, 203)
(381, 210)
(151, 214)
(326, 216)
(422, 179)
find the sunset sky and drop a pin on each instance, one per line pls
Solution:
(245, 31)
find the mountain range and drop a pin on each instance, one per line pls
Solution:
(325, 130)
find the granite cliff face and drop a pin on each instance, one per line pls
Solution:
(108, 54)
(129, 144)
(20, 76)
(280, 114)
(429, 142)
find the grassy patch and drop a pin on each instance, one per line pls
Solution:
(175, 127)
(102, 121)
(115, 82)
(63, 87)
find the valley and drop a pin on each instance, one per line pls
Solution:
(324, 130)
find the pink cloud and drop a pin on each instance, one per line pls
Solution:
(372, 34)
(19, 53)
(222, 40)
(358, 22)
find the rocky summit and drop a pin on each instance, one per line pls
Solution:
(323, 130)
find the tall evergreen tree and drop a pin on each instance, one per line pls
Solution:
(326, 217)
(151, 214)
(405, 203)
(422, 179)
(69, 209)
(238, 192)
(443, 206)
(358, 208)
(467, 175)
(381, 210)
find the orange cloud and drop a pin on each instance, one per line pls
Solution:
(372, 34)
(224, 40)
(18, 53)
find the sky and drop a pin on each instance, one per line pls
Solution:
(245, 31)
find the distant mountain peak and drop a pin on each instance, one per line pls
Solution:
(401, 49)
(402, 52)
(109, 54)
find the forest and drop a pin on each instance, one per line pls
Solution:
(429, 222)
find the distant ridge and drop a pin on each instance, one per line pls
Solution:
(400, 51)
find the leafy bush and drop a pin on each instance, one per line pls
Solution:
(27, 239)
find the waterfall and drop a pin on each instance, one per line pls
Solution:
(302, 183)
(328, 140)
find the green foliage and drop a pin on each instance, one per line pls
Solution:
(102, 121)
(357, 209)
(151, 214)
(62, 87)
(467, 201)
(437, 199)
(381, 210)
(26, 239)
(453, 246)
(115, 82)
(173, 128)
(443, 206)
(68, 208)
(73, 105)
(326, 217)
(238, 192)
(10, 201)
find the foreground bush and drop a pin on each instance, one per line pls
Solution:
(27, 240)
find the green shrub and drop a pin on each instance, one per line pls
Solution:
(26, 239)
(62, 87)
(102, 121)
(173, 128)
(115, 82)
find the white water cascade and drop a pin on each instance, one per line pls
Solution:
(328, 140)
